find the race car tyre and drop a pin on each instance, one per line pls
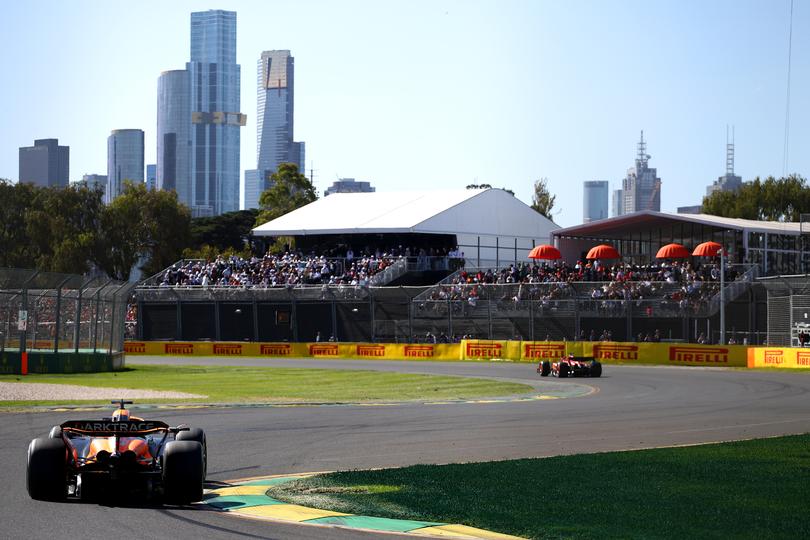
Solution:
(196, 434)
(563, 370)
(183, 472)
(596, 369)
(55, 433)
(46, 474)
(545, 368)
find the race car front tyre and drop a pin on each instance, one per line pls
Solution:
(562, 371)
(545, 368)
(196, 434)
(183, 472)
(55, 433)
(596, 369)
(46, 474)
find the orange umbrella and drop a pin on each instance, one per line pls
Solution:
(707, 249)
(545, 251)
(603, 251)
(672, 251)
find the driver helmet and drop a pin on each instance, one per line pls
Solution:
(120, 414)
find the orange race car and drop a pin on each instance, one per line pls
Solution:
(570, 367)
(86, 458)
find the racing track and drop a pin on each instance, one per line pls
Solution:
(634, 407)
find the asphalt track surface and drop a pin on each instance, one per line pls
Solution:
(631, 407)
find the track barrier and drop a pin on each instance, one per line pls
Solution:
(779, 357)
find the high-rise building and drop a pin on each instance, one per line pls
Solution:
(151, 176)
(199, 120)
(256, 182)
(215, 117)
(349, 185)
(729, 181)
(617, 206)
(594, 200)
(92, 181)
(641, 187)
(124, 160)
(45, 164)
(174, 133)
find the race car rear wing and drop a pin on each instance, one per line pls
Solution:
(109, 428)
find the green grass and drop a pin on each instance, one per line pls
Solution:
(224, 384)
(752, 489)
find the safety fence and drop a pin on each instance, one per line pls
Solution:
(779, 357)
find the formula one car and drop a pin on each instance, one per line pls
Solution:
(118, 455)
(570, 367)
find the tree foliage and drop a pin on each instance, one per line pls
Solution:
(772, 199)
(222, 233)
(542, 199)
(290, 190)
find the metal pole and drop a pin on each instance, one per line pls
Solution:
(722, 297)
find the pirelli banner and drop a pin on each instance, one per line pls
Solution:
(778, 357)
(467, 350)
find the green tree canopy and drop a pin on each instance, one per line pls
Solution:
(290, 190)
(223, 232)
(782, 199)
(542, 199)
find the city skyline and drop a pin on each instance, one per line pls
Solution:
(374, 103)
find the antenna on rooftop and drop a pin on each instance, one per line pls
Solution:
(642, 152)
(730, 153)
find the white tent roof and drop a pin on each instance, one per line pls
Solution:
(486, 212)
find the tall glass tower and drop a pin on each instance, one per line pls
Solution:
(214, 79)
(124, 160)
(274, 126)
(174, 134)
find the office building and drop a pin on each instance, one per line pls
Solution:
(124, 160)
(276, 112)
(349, 185)
(256, 182)
(594, 200)
(617, 206)
(92, 181)
(45, 164)
(151, 177)
(694, 209)
(199, 120)
(641, 187)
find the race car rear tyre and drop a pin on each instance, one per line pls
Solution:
(596, 369)
(55, 433)
(562, 371)
(196, 434)
(545, 368)
(183, 472)
(46, 474)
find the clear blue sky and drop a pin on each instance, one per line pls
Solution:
(441, 93)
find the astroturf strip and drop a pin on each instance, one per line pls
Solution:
(749, 489)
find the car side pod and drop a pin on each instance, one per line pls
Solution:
(46, 474)
(183, 472)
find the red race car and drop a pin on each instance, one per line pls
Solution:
(116, 455)
(570, 367)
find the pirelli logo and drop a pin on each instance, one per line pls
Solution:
(228, 349)
(484, 350)
(323, 350)
(774, 357)
(276, 349)
(803, 358)
(419, 351)
(134, 347)
(371, 351)
(543, 351)
(615, 352)
(708, 355)
(178, 348)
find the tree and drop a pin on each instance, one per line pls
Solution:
(783, 199)
(224, 232)
(144, 227)
(543, 200)
(290, 190)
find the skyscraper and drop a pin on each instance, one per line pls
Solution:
(199, 119)
(275, 123)
(124, 160)
(151, 176)
(349, 185)
(641, 187)
(45, 164)
(174, 133)
(729, 181)
(617, 207)
(594, 200)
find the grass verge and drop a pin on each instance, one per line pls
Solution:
(750, 489)
(260, 385)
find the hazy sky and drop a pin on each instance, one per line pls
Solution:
(441, 93)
